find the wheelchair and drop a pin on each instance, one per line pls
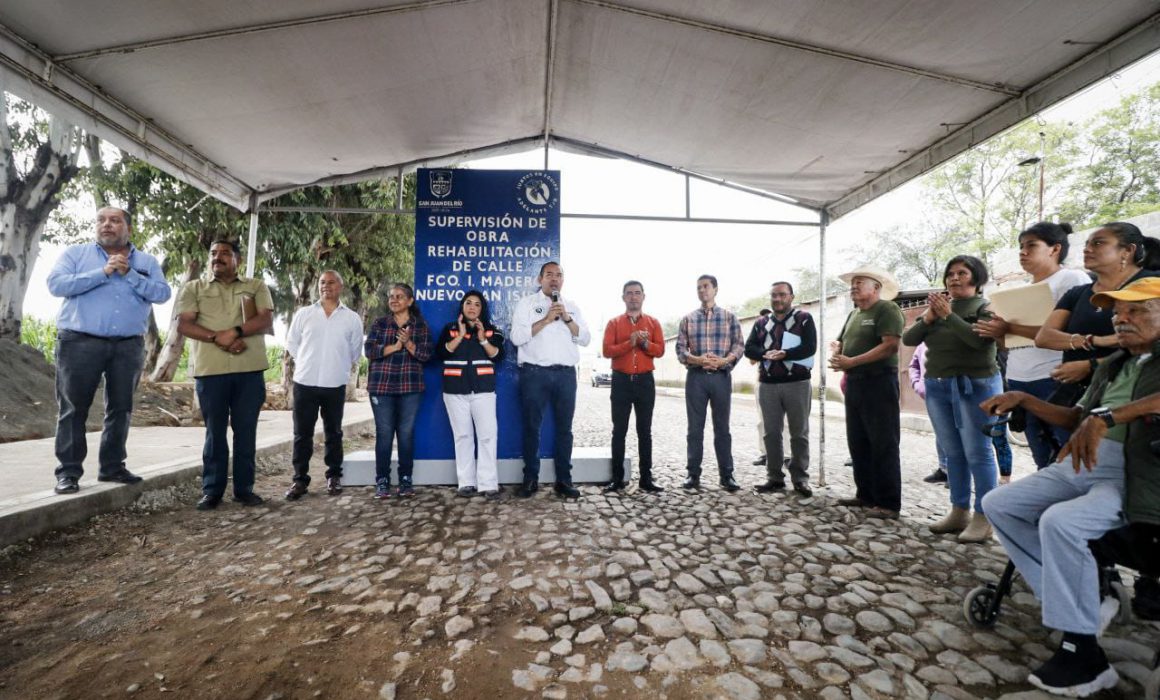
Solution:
(1135, 547)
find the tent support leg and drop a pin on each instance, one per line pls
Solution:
(252, 245)
(825, 220)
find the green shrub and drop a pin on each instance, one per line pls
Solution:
(40, 335)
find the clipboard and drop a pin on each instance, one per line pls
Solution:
(1029, 305)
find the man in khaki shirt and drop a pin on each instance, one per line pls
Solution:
(227, 317)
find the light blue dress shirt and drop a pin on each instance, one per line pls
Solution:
(109, 306)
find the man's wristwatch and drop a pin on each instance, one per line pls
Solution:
(1105, 414)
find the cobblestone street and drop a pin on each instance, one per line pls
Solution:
(673, 595)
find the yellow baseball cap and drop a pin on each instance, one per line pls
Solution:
(1140, 290)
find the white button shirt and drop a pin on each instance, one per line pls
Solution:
(324, 348)
(555, 344)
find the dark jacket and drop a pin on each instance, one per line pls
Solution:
(469, 370)
(798, 323)
(1141, 466)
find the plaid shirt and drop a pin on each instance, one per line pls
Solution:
(714, 330)
(399, 372)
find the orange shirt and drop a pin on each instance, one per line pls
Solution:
(627, 357)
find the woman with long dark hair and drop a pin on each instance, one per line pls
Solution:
(397, 346)
(1117, 253)
(471, 348)
(1042, 249)
(961, 372)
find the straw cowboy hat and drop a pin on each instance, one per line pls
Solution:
(882, 277)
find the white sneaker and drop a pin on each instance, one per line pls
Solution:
(1109, 608)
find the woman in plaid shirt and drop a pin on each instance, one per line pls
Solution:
(397, 346)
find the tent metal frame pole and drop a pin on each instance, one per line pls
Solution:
(252, 246)
(612, 217)
(822, 347)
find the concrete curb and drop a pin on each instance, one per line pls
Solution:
(22, 520)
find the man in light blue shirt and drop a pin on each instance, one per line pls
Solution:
(108, 288)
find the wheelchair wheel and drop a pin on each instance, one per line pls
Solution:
(1124, 616)
(978, 607)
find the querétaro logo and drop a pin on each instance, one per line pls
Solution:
(440, 181)
(538, 192)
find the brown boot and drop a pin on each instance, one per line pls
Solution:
(956, 521)
(978, 531)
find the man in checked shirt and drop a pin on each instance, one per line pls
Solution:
(709, 344)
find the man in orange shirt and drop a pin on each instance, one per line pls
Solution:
(631, 341)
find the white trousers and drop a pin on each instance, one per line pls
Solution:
(473, 420)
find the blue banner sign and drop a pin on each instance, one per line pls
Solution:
(489, 230)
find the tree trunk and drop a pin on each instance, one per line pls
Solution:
(19, 246)
(152, 347)
(170, 355)
(26, 201)
(288, 379)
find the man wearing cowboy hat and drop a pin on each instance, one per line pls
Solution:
(867, 351)
(1107, 475)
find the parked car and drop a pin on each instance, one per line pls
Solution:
(602, 372)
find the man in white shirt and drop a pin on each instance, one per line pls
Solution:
(547, 330)
(325, 341)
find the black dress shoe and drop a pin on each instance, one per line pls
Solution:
(938, 476)
(67, 484)
(770, 487)
(249, 499)
(567, 490)
(613, 486)
(730, 485)
(650, 487)
(759, 462)
(297, 490)
(208, 503)
(122, 477)
(803, 490)
(691, 484)
(528, 488)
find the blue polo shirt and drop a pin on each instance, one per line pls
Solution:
(109, 306)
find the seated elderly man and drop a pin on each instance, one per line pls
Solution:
(1046, 520)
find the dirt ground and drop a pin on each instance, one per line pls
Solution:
(148, 602)
(28, 408)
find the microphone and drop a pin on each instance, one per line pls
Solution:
(556, 300)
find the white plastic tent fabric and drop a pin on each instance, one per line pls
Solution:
(829, 102)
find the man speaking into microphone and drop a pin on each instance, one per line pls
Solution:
(547, 330)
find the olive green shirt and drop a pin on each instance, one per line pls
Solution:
(952, 347)
(1116, 393)
(864, 331)
(219, 308)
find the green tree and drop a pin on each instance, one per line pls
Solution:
(38, 156)
(807, 285)
(1120, 176)
(987, 198)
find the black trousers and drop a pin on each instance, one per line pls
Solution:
(872, 433)
(309, 401)
(81, 361)
(632, 391)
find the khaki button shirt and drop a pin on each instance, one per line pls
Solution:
(219, 308)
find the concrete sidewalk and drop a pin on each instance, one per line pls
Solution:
(163, 456)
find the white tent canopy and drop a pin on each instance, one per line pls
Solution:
(830, 103)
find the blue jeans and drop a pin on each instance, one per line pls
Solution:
(540, 386)
(233, 400)
(81, 361)
(395, 416)
(1037, 430)
(953, 406)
